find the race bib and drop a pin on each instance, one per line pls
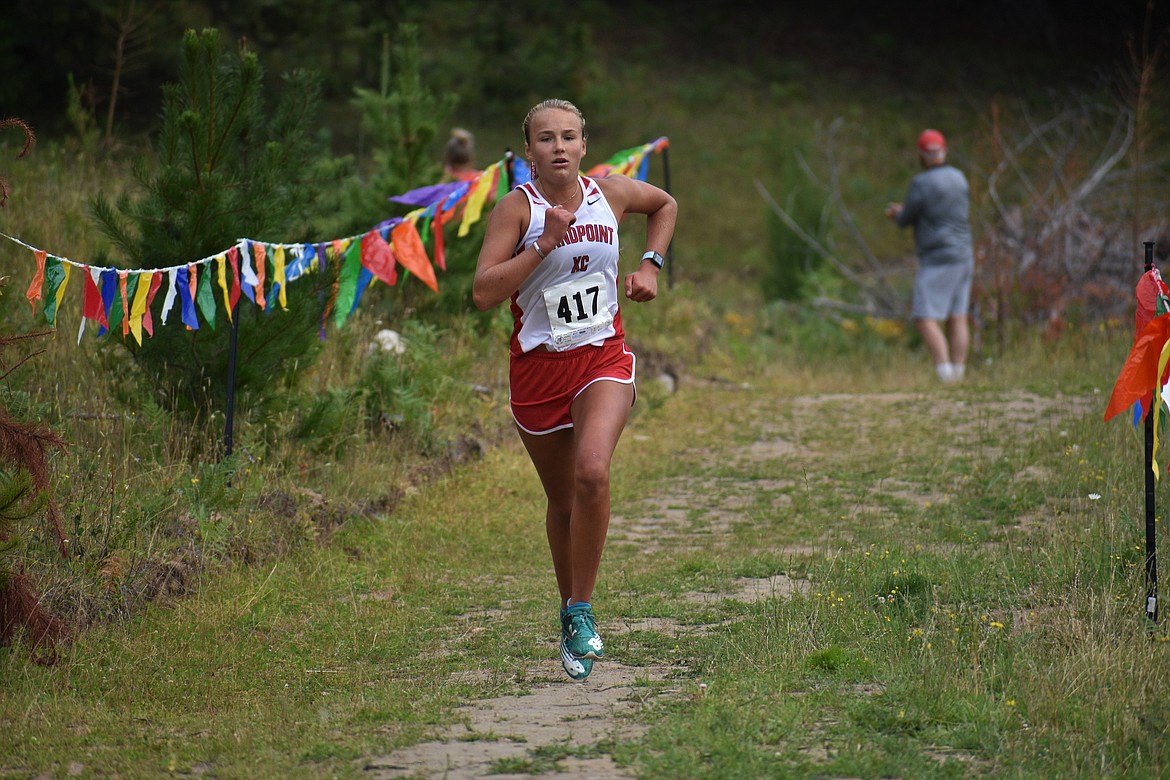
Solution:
(577, 310)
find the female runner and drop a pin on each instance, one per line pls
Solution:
(551, 247)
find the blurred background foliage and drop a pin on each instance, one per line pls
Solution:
(818, 104)
(498, 55)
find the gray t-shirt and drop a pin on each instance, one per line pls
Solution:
(936, 205)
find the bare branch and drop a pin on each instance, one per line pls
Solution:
(846, 271)
(875, 266)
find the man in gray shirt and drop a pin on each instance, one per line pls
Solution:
(936, 205)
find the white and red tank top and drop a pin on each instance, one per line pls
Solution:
(571, 299)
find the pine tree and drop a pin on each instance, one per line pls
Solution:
(230, 166)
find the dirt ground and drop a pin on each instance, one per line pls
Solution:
(555, 710)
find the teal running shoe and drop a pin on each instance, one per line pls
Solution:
(579, 632)
(576, 668)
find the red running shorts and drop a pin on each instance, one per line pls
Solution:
(544, 384)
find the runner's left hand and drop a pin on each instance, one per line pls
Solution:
(642, 285)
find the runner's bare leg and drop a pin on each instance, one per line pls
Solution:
(600, 413)
(573, 465)
(553, 456)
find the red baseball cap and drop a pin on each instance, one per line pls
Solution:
(931, 141)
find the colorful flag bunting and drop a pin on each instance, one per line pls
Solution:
(113, 297)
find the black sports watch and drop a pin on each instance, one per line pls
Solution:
(655, 258)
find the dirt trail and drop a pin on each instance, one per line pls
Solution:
(512, 730)
(518, 733)
(553, 711)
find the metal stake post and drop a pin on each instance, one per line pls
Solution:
(230, 411)
(1151, 528)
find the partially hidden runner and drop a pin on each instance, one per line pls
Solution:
(551, 247)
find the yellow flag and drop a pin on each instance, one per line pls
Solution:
(278, 273)
(64, 282)
(221, 270)
(138, 307)
(483, 186)
(1156, 400)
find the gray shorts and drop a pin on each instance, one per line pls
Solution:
(942, 291)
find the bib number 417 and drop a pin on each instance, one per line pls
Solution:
(581, 305)
(578, 310)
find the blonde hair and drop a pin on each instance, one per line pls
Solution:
(460, 149)
(543, 105)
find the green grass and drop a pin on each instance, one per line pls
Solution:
(970, 610)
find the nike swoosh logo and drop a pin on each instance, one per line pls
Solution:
(594, 200)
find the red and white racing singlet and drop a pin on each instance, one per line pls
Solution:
(571, 299)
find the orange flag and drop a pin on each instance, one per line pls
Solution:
(34, 289)
(258, 252)
(408, 248)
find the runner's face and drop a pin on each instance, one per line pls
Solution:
(556, 145)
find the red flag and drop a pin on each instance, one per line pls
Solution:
(92, 308)
(1149, 287)
(378, 257)
(122, 275)
(437, 228)
(233, 257)
(155, 283)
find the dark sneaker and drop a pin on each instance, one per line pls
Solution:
(579, 633)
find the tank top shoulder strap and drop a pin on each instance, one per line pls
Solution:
(533, 194)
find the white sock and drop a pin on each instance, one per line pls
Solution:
(957, 369)
(945, 371)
